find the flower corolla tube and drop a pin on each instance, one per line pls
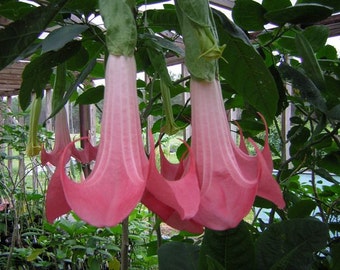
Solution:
(118, 179)
(229, 178)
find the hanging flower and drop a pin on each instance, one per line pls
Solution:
(33, 147)
(118, 179)
(55, 191)
(62, 139)
(173, 194)
(229, 178)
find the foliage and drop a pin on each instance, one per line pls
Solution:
(284, 70)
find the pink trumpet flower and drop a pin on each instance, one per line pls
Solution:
(229, 178)
(55, 192)
(118, 179)
(62, 139)
(174, 193)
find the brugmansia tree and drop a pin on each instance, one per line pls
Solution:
(272, 58)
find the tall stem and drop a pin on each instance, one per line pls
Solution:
(124, 264)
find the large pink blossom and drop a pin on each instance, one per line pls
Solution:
(118, 179)
(229, 178)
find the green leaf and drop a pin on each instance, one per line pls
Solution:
(334, 113)
(15, 10)
(249, 15)
(160, 20)
(273, 5)
(81, 77)
(58, 38)
(331, 162)
(246, 71)
(233, 249)
(304, 85)
(37, 73)
(82, 7)
(178, 255)
(17, 36)
(317, 36)
(335, 4)
(91, 96)
(290, 244)
(309, 61)
(299, 14)
(301, 209)
(335, 254)
(34, 254)
(158, 42)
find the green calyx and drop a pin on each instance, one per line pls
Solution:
(121, 30)
(200, 38)
(33, 147)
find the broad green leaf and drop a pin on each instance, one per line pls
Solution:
(58, 38)
(317, 36)
(335, 254)
(304, 85)
(298, 135)
(327, 52)
(331, 162)
(334, 113)
(233, 249)
(178, 255)
(91, 96)
(335, 4)
(301, 209)
(249, 15)
(160, 20)
(273, 5)
(17, 36)
(299, 14)
(226, 25)
(290, 244)
(309, 61)
(15, 10)
(245, 70)
(37, 73)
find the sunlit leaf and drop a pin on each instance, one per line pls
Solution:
(17, 36)
(58, 38)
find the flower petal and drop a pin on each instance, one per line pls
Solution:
(180, 192)
(118, 179)
(56, 204)
(228, 183)
(62, 139)
(169, 215)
